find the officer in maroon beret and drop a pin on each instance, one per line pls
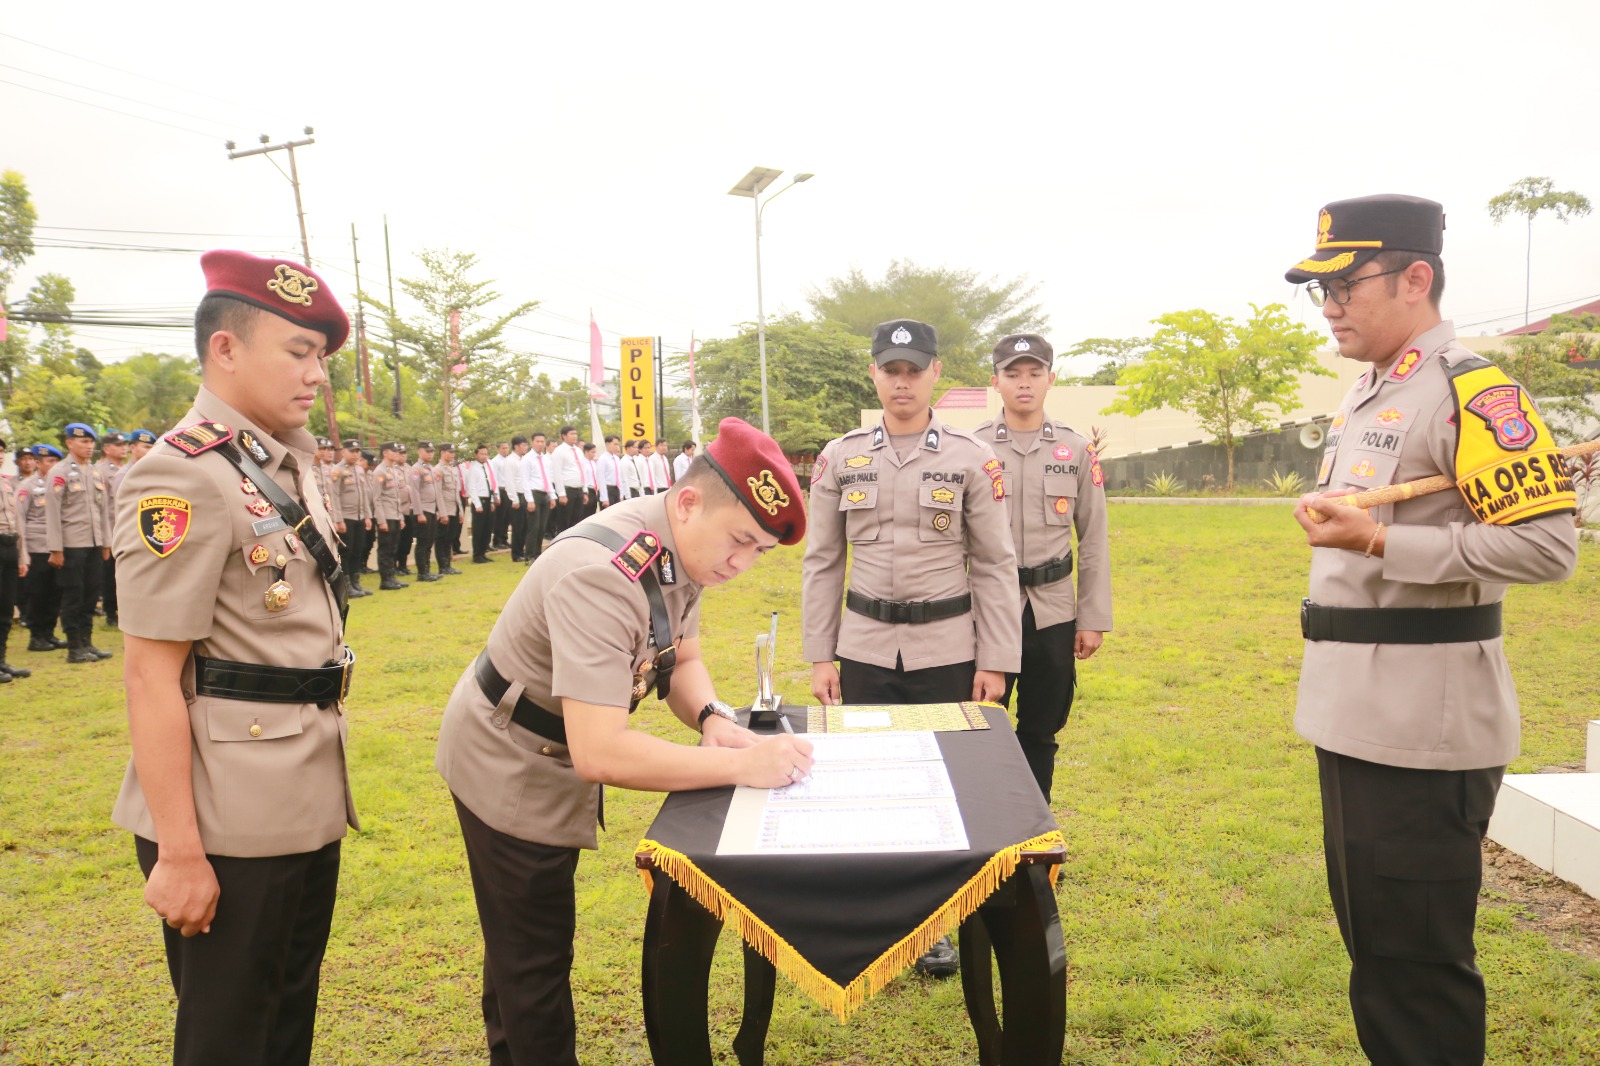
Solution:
(610, 610)
(231, 608)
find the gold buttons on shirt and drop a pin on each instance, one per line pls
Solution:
(255, 729)
(545, 750)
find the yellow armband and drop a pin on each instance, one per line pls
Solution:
(1507, 465)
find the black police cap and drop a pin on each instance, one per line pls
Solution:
(905, 338)
(1351, 232)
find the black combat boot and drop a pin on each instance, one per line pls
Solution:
(6, 669)
(78, 650)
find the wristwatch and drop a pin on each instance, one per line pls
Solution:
(718, 708)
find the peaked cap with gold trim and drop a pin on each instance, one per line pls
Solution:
(1351, 232)
(758, 472)
(282, 286)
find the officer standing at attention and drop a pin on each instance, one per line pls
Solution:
(482, 491)
(44, 594)
(503, 477)
(1054, 486)
(237, 793)
(388, 487)
(448, 483)
(78, 537)
(352, 514)
(13, 568)
(609, 471)
(540, 719)
(934, 615)
(114, 458)
(408, 519)
(423, 486)
(634, 476)
(27, 465)
(1405, 689)
(538, 496)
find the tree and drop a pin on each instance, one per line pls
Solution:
(45, 400)
(1542, 363)
(1530, 197)
(17, 216)
(150, 391)
(1226, 373)
(817, 380)
(52, 294)
(434, 346)
(1112, 356)
(970, 313)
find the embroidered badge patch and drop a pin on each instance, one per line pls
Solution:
(942, 496)
(637, 555)
(1391, 417)
(769, 495)
(259, 508)
(163, 523)
(941, 521)
(1325, 471)
(1063, 452)
(292, 542)
(1406, 364)
(818, 467)
(1062, 505)
(259, 554)
(997, 475)
(1364, 468)
(1502, 410)
(855, 496)
(292, 285)
(200, 437)
(1338, 420)
(856, 462)
(1097, 475)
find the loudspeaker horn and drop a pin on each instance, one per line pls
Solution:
(1312, 436)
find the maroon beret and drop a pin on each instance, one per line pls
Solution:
(281, 286)
(758, 472)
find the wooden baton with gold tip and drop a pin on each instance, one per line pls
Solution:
(1424, 486)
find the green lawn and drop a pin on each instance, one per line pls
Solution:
(1197, 924)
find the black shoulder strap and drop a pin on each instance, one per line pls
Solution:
(299, 520)
(660, 623)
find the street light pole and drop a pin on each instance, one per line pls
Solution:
(752, 185)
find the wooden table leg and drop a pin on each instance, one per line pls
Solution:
(760, 986)
(680, 937)
(977, 988)
(1033, 970)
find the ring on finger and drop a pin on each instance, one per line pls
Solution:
(794, 773)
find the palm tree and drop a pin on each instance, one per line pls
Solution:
(1529, 197)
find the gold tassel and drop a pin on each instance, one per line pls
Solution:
(843, 1000)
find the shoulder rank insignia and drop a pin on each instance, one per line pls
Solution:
(931, 442)
(200, 437)
(637, 555)
(1406, 364)
(163, 523)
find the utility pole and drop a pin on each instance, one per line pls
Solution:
(305, 243)
(361, 325)
(394, 316)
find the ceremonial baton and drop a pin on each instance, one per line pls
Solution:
(1425, 486)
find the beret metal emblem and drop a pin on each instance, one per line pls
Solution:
(768, 494)
(293, 286)
(901, 336)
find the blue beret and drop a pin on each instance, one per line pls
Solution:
(141, 436)
(79, 430)
(42, 450)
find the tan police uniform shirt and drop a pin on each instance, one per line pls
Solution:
(110, 477)
(576, 627)
(1053, 487)
(344, 492)
(423, 487)
(1425, 706)
(931, 526)
(389, 487)
(11, 520)
(268, 778)
(75, 510)
(33, 497)
(448, 483)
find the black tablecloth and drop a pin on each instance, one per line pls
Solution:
(842, 926)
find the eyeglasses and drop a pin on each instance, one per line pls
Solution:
(1339, 290)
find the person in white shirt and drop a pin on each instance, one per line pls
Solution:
(592, 492)
(680, 465)
(566, 477)
(632, 483)
(537, 490)
(482, 490)
(610, 472)
(512, 485)
(660, 467)
(502, 506)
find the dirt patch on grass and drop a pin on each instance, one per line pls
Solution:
(1558, 909)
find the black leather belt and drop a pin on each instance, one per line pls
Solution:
(527, 714)
(1399, 625)
(228, 680)
(912, 612)
(1046, 573)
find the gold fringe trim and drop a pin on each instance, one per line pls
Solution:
(843, 1000)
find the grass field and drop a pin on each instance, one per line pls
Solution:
(1193, 902)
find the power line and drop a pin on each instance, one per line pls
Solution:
(114, 111)
(114, 96)
(164, 232)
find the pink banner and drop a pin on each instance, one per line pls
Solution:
(597, 370)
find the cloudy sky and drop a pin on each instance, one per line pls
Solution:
(1132, 159)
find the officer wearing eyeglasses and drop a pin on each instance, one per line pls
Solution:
(1404, 689)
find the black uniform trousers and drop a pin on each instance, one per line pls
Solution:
(8, 586)
(1044, 692)
(613, 494)
(1404, 869)
(44, 596)
(527, 908)
(408, 537)
(108, 587)
(425, 531)
(388, 547)
(444, 540)
(354, 546)
(519, 532)
(538, 525)
(864, 683)
(79, 582)
(247, 990)
(502, 519)
(455, 528)
(482, 522)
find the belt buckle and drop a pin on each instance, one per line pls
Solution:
(899, 611)
(346, 666)
(666, 659)
(1308, 622)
